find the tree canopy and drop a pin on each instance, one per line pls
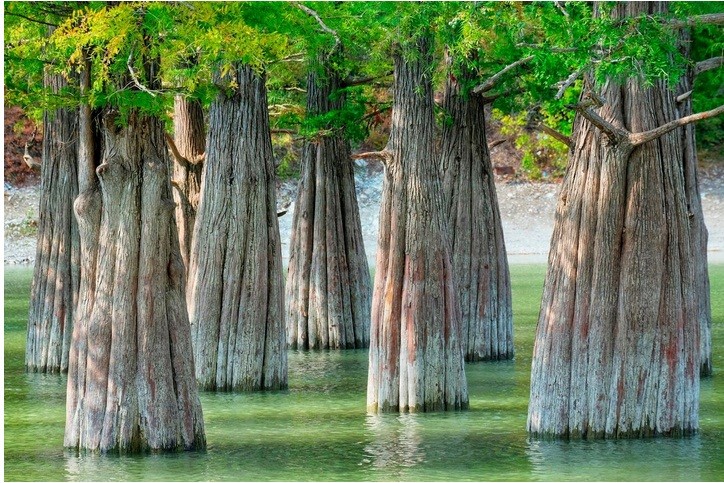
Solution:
(524, 55)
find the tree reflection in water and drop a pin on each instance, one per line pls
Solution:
(395, 441)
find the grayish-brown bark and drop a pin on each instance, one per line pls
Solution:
(416, 360)
(480, 264)
(617, 345)
(56, 276)
(131, 384)
(328, 286)
(699, 233)
(190, 140)
(235, 293)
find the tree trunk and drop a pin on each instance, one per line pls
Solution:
(479, 261)
(617, 345)
(56, 276)
(235, 294)
(189, 137)
(328, 287)
(699, 233)
(131, 384)
(416, 360)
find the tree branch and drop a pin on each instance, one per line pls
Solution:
(385, 156)
(559, 6)
(321, 23)
(708, 64)
(684, 96)
(646, 136)
(562, 86)
(492, 81)
(135, 78)
(364, 80)
(710, 18)
(614, 133)
(177, 155)
(29, 19)
(497, 143)
(490, 98)
(554, 134)
(283, 131)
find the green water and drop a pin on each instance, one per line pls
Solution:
(318, 429)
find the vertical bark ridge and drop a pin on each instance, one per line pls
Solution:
(416, 359)
(235, 297)
(189, 137)
(617, 326)
(478, 249)
(56, 277)
(130, 383)
(328, 282)
(698, 230)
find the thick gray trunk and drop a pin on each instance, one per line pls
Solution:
(416, 360)
(235, 293)
(480, 263)
(328, 287)
(130, 383)
(617, 345)
(56, 277)
(189, 137)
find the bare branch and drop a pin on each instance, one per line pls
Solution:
(296, 89)
(364, 80)
(710, 18)
(35, 20)
(298, 57)
(560, 7)
(614, 133)
(135, 78)
(492, 81)
(385, 156)
(492, 97)
(646, 136)
(283, 131)
(27, 157)
(497, 143)
(684, 96)
(708, 64)
(554, 134)
(177, 155)
(376, 112)
(562, 86)
(321, 23)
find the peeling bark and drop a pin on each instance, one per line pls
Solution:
(56, 276)
(235, 292)
(416, 360)
(617, 345)
(479, 260)
(328, 287)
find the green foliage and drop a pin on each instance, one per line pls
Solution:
(543, 156)
(194, 46)
(286, 156)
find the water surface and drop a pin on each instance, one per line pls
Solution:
(319, 430)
